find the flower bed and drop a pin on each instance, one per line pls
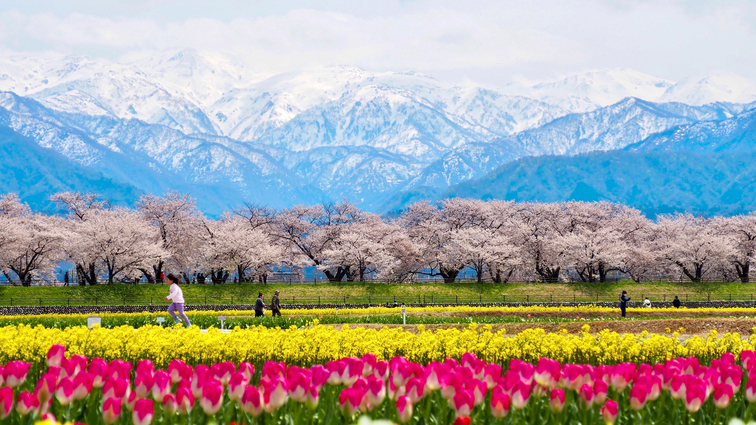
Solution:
(320, 344)
(464, 391)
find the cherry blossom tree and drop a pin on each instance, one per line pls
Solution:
(741, 232)
(180, 227)
(308, 233)
(232, 243)
(80, 207)
(692, 244)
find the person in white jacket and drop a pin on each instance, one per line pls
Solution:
(176, 295)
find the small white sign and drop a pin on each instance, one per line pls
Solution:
(404, 315)
(221, 317)
(94, 320)
(161, 320)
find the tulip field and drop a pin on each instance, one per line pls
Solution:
(304, 370)
(73, 388)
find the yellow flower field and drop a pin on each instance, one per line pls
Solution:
(319, 344)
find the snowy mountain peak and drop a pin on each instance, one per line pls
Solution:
(710, 88)
(584, 92)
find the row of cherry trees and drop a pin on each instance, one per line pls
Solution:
(499, 241)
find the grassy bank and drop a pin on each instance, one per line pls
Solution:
(374, 293)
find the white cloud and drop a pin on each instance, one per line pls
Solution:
(488, 40)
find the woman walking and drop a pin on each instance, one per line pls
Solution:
(259, 306)
(176, 295)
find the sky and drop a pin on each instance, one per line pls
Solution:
(484, 42)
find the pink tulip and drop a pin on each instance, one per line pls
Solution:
(170, 405)
(81, 360)
(404, 408)
(115, 388)
(750, 390)
(677, 387)
(470, 359)
(6, 402)
(381, 370)
(463, 402)
(395, 392)
(161, 385)
(492, 375)
(732, 376)
(223, 372)
(479, 389)
(212, 397)
(352, 372)
(185, 400)
(368, 363)
(64, 391)
(143, 384)
(748, 359)
(600, 390)
(415, 388)
(556, 401)
(273, 369)
(400, 371)
(728, 358)
(201, 374)
(350, 400)
(237, 385)
(55, 355)
(609, 412)
(145, 366)
(131, 400)
(653, 386)
(312, 398)
(275, 393)
(622, 375)
(251, 401)
(520, 395)
(82, 385)
(248, 369)
(449, 384)
(500, 403)
(143, 412)
(319, 376)
(119, 369)
(526, 371)
(27, 403)
(69, 368)
(98, 370)
(46, 387)
(722, 395)
(547, 372)
(179, 371)
(433, 374)
(638, 397)
(335, 370)
(695, 396)
(15, 373)
(111, 410)
(586, 396)
(376, 390)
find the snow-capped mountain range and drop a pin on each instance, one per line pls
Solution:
(215, 128)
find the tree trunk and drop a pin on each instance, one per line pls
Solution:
(743, 270)
(449, 275)
(147, 275)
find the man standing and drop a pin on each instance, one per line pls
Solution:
(259, 306)
(65, 279)
(275, 305)
(623, 303)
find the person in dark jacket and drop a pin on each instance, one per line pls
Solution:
(275, 305)
(259, 306)
(623, 303)
(676, 302)
(65, 279)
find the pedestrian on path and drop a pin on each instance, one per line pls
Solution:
(259, 306)
(65, 279)
(176, 295)
(275, 305)
(623, 303)
(676, 302)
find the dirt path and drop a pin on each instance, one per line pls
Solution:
(693, 327)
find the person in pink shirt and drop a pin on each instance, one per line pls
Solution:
(176, 295)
